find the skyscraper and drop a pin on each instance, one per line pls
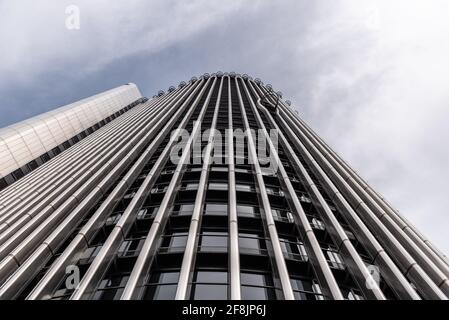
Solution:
(216, 189)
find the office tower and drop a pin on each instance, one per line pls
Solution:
(215, 189)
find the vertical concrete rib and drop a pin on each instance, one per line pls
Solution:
(190, 252)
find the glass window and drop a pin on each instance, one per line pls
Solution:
(174, 242)
(209, 292)
(282, 215)
(257, 293)
(304, 198)
(213, 241)
(161, 292)
(334, 258)
(145, 213)
(3, 183)
(130, 247)
(108, 294)
(114, 281)
(222, 169)
(191, 186)
(245, 210)
(89, 254)
(301, 284)
(318, 224)
(352, 294)
(218, 186)
(211, 277)
(114, 218)
(216, 209)
(159, 189)
(129, 195)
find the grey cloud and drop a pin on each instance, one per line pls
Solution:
(370, 76)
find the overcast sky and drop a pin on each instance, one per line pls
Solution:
(371, 77)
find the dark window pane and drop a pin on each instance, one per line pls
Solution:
(3, 183)
(18, 174)
(257, 293)
(252, 245)
(211, 277)
(209, 292)
(161, 292)
(216, 209)
(109, 294)
(114, 281)
(32, 165)
(214, 239)
(256, 279)
(301, 284)
(218, 186)
(164, 277)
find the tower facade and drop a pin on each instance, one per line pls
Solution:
(216, 189)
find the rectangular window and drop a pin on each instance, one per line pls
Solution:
(210, 277)
(257, 286)
(317, 224)
(216, 209)
(218, 186)
(129, 195)
(256, 279)
(334, 258)
(3, 183)
(219, 169)
(191, 186)
(161, 292)
(282, 215)
(130, 248)
(183, 209)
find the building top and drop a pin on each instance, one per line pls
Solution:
(27, 140)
